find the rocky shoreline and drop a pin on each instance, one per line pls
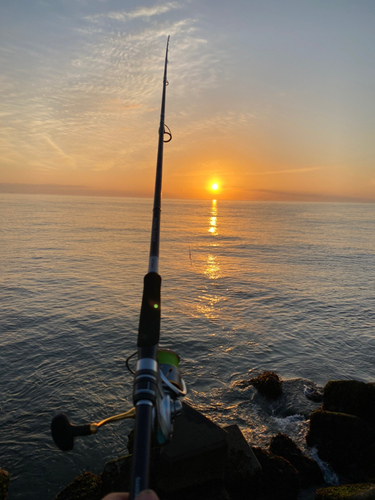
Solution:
(206, 461)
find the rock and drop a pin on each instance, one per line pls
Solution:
(84, 487)
(313, 394)
(351, 397)
(196, 454)
(116, 475)
(279, 480)
(268, 384)
(242, 471)
(203, 461)
(348, 492)
(309, 471)
(344, 441)
(4, 484)
(344, 430)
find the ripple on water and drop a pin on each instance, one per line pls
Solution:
(281, 287)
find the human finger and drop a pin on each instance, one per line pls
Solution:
(147, 495)
(116, 496)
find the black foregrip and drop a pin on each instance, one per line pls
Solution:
(149, 321)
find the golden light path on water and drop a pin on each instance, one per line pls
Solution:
(209, 301)
(212, 270)
(213, 219)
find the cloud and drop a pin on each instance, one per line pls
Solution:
(59, 150)
(142, 12)
(286, 171)
(89, 31)
(94, 103)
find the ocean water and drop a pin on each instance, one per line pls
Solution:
(247, 287)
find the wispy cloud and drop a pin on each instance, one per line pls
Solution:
(285, 171)
(89, 102)
(95, 104)
(141, 12)
(56, 148)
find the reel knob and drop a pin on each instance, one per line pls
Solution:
(63, 432)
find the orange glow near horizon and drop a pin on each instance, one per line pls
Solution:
(213, 187)
(89, 124)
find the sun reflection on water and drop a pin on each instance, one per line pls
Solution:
(213, 219)
(207, 306)
(209, 301)
(212, 270)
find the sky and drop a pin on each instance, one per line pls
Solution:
(269, 99)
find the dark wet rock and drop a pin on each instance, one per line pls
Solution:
(314, 394)
(279, 480)
(344, 430)
(116, 475)
(351, 397)
(203, 461)
(268, 384)
(206, 461)
(4, 484)
(309, 472)
(289, 397)
(84, 487)
(242, 471)
(195, 456)
(363, 491)
(346, 442)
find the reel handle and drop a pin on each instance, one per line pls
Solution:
(63, 432)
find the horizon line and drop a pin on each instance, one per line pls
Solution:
(260, 195)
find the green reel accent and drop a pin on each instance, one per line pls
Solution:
(168, 358)
(168, 364)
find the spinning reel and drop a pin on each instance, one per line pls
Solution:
(171, 389)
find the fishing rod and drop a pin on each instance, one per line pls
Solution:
(158, 387)
(152, 389)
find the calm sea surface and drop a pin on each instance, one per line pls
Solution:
(247, 287)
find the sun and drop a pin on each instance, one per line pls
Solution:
(215, 186)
